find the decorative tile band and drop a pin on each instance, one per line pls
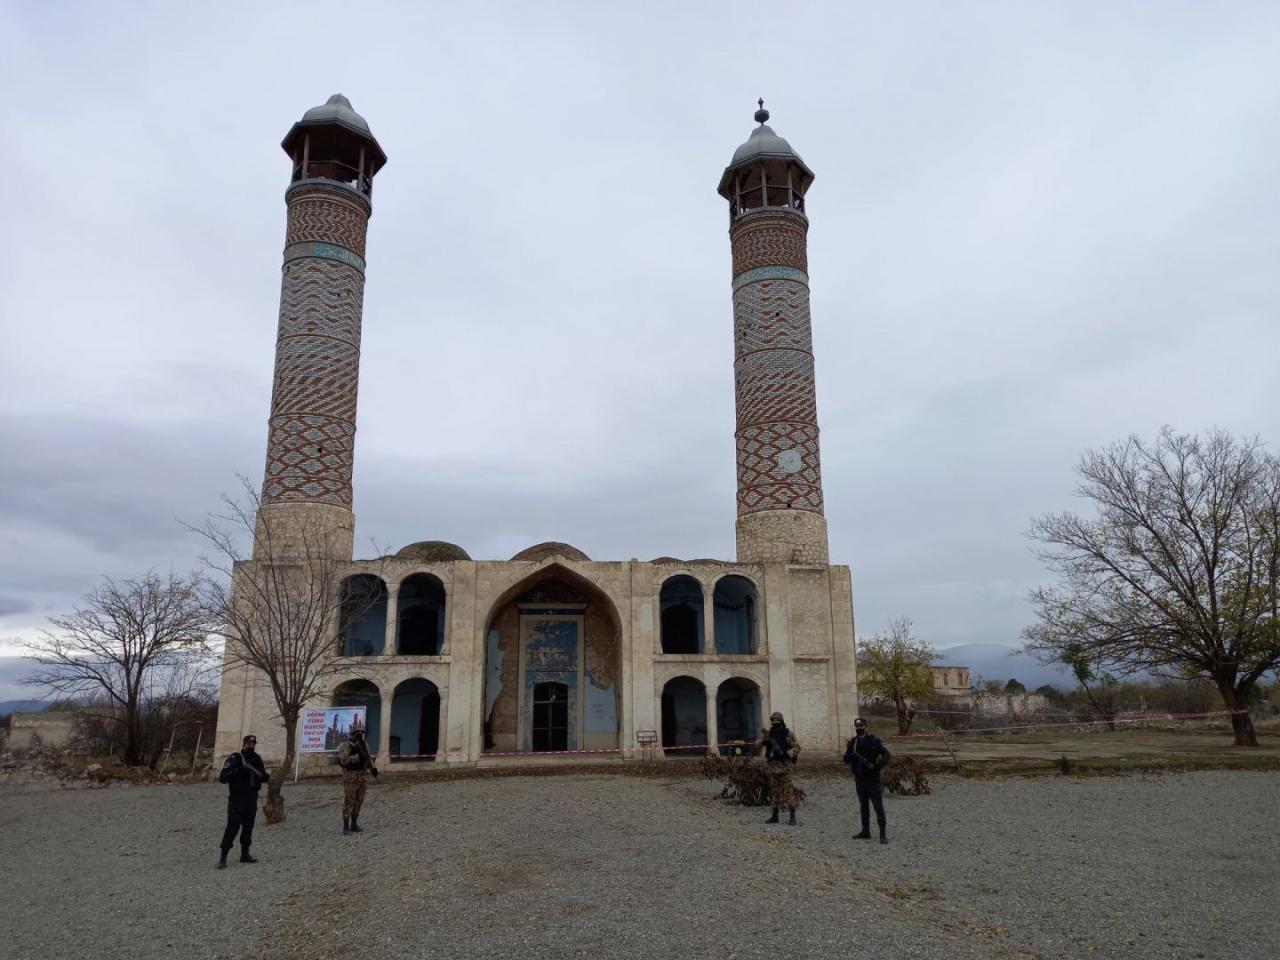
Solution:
(770, 273)
(325, 251)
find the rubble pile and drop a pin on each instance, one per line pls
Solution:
(73, 768)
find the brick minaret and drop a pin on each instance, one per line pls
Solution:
(780, 516)
(311, 437)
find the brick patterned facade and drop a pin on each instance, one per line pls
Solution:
(779, 468)
(328, 214)
(769, 239)
(311, 438)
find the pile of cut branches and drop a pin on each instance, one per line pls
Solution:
(905, 777)
(746, 779)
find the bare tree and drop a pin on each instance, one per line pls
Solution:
(895, 665)
(183, 694)
(1100, 688)
(275, 610)
(124, 639)
(1178, 572)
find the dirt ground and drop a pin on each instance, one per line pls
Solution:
(598, 866)
(1194, 745)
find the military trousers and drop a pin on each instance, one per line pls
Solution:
(353, 787)
(782, 792)
(241, 813)
(870, 794)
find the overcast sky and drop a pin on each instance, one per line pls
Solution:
(1036, 228)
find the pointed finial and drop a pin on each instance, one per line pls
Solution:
(762, 114)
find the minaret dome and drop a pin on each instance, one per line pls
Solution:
(764, 172)
(333, 142)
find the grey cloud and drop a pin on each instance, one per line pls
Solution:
(1035, 229)
(12, 605)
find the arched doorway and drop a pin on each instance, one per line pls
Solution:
(415, 720)
(552, 666)
(738, 710)
(684, 717)
(362, 693)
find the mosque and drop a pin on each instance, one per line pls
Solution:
(471, 661)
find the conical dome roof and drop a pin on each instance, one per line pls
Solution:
(338, 109)
(336, 112)
(764, 146)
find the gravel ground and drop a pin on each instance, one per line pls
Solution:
(1168, 866)
(613, 866)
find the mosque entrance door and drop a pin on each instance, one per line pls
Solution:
(550, 717)
(551, 658)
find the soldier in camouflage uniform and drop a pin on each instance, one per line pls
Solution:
(354, 758)
(781, 750)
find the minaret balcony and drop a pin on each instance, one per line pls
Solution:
(771, 197)
(334, 172)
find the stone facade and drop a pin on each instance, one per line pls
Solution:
(52, 729)
(800, 661)
(951, 681)
(464, 661)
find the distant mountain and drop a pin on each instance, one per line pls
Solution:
(22, 706)
(994, 661)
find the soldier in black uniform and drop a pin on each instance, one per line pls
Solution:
(243, 773)
(866, 757)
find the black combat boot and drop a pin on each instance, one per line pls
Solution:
(864, 835)
(222, 860)
(346, 827)
(244, 856)
(792, 821)
(774, 818)
(355, 827)
(883, 838)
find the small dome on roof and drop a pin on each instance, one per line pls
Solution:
(338, 109)
(432, 550)
(544, 551)
(666, 560)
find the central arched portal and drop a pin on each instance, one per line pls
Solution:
(552, 664)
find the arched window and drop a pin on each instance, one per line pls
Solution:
(738, 710)
(735, 603)
(362, 625)
(682, 619)
(420, 616)
(684, 717)
(415, 720)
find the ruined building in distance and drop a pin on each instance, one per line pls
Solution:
(462, 660)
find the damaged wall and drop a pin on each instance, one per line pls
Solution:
(600, 723)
